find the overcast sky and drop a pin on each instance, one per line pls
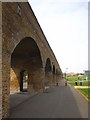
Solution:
(65, 25)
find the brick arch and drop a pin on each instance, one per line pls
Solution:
(54, 69)
(30, 38)
(26, 56)
(48, 72)
(54, 74)
(48, 65)
(57, 76)
(15, 28)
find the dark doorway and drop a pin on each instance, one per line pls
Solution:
(48, 73)
(23, 81)
(53, 70)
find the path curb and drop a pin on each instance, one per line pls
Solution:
(82, 95)
(79, 92)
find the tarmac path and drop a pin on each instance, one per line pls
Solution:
(59, 102)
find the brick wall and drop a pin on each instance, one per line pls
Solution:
(0, 60)
(15, 28)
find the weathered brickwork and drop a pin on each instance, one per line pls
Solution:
(0, 60)
(24, 47)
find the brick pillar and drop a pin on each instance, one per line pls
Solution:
(48, 78)
(36, 80)
(5, 84)
(57, 78)
(54, 79)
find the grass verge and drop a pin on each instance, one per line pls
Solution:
(86, 92)
(84, 83)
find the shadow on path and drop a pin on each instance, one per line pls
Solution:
(59, 102)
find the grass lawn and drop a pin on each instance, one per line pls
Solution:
(89, 76)
(71, 80)
(84, 83)
(86, 92)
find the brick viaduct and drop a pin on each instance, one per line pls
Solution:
(24, 48)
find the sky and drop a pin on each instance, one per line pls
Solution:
(65, 25)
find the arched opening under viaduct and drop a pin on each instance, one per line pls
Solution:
(26, 57)
(57, 75)
(48, 73)
(26, 72)
(54, 75)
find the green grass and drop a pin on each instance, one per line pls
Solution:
(86, 92)
(88, 77)
(71, 80)
(85, 83)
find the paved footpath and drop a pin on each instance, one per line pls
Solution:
(59, 102)
(82, 87)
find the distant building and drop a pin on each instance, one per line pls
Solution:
(71, 74)
(87, 73)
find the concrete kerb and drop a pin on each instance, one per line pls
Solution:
(83, 95)
(82, 87)
(79, 92)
